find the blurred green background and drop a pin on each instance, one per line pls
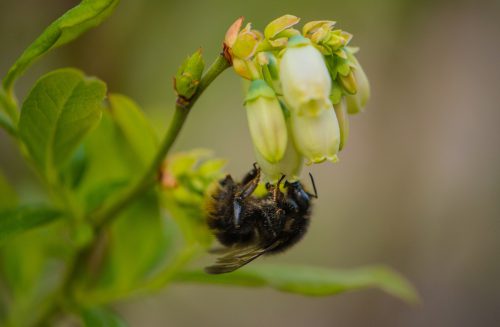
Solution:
(417, 187)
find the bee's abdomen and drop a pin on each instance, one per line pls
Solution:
(220, 218)
(294, 228)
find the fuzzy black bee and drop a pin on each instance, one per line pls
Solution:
(250, 226)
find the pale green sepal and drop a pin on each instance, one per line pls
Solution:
(279, 25)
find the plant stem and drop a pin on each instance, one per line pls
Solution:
(7, 125)
(10, 108)
(106, 214)
(9, 103)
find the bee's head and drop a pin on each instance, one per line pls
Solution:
(296, 191)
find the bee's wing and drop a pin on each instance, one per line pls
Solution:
(218, 250)
(238, 257)
(235, 259)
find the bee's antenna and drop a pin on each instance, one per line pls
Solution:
(280, 180)
(314, 186)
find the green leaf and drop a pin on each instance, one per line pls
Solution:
(74, 171)
(124, 144)
(100, 317)
(60, 110)
(15, 221)
(112, 162)
(33, 265)
(118, 151)
(310, 281)
(8, 197)
(88, 14)
(138, 244)
(95, 197)
(136, 129)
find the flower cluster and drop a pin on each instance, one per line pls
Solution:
(303, 86)
(185, 178)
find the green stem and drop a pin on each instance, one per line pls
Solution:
(9, 104)
(106, 214)
(7, 126)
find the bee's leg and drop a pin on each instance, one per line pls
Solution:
(250, 185)
(246, 190)
(237, 212)
(251, 174)
(276, 189)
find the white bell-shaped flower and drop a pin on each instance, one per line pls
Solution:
(290, 165)
(304, 77)
(317, 137)
(266, 121)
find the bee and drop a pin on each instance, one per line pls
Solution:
(249, 226)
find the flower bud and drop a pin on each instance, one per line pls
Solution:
(266, 121)
(246, 43)
(279, 30)
(311, 28)
(240, 47)
(246, 68)
(189, 74)
(326, 39)
(304, 77)
(232, 33)
(317, 137)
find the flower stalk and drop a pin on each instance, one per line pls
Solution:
(107, 213)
